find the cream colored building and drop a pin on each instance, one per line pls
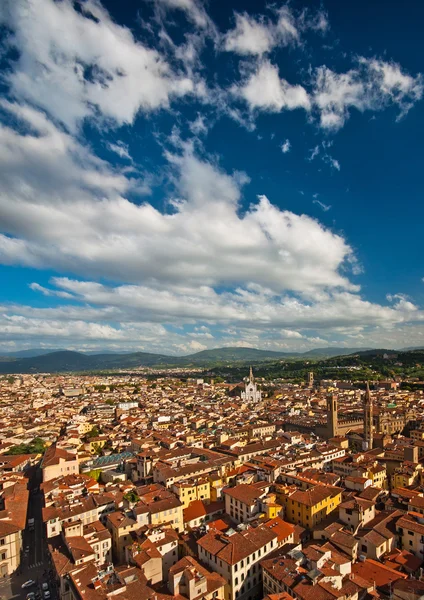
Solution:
(57, 462)
(237, 557)
(12, 523)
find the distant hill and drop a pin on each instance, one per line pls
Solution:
(236, 354)
(375, 352)
(66, 360)
(69, 361)
(412, 348)
(332, 351)
(27, 353)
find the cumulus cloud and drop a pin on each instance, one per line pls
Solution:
(47, 193)
(79, 64)
(209, 266)
(372, 85)
(286, 147)
(257, 35)
(265, 90)
(146, 317)
(249, 36)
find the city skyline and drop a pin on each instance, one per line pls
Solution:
(179, 175)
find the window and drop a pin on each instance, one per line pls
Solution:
(2, 542)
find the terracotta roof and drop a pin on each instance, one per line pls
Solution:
(246, 493)
(281, 528)
(53, 455)
(373, 571)
(233, 548)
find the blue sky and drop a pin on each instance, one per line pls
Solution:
(178, 175)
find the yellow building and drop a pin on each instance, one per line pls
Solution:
(93, 445)
(406, 475)
(216, 485)
(309, 507)
(192, 489)
(271, 509)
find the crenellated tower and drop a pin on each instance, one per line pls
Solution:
(332, 419)
(368, 420)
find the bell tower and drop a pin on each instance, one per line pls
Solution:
(310, 379)
(332, 419)
(368, 420)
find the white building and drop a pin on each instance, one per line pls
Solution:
(251, 392)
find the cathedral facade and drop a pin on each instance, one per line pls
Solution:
(251, 392)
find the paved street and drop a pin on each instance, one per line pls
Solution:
(34, 563)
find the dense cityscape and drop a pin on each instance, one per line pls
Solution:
(211, 300)
(180, 488)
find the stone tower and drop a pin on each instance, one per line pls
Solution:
(310, 379)
(368, 420)
(332, 420)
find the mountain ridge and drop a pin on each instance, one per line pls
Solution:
(70, 360)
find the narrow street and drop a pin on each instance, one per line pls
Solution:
(35, 562)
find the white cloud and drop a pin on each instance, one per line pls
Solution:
(51, 186)
(243, 317)
(249, 36)
(286, 28)
(290, 334)
(325, 207)
(334, 163)
(193, 9)
(257, 35)
(314, 152)
(318, 21)
(286, 147)
(372, 85)
(49, 292)
(72, 65)
(199, 126)
(120, 149)
(264, 90)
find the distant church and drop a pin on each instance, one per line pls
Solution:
(251, 392)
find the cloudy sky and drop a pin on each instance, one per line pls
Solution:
(179, 175)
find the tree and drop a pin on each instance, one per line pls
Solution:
(131, 497)
(94, 432)
(36, 446)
